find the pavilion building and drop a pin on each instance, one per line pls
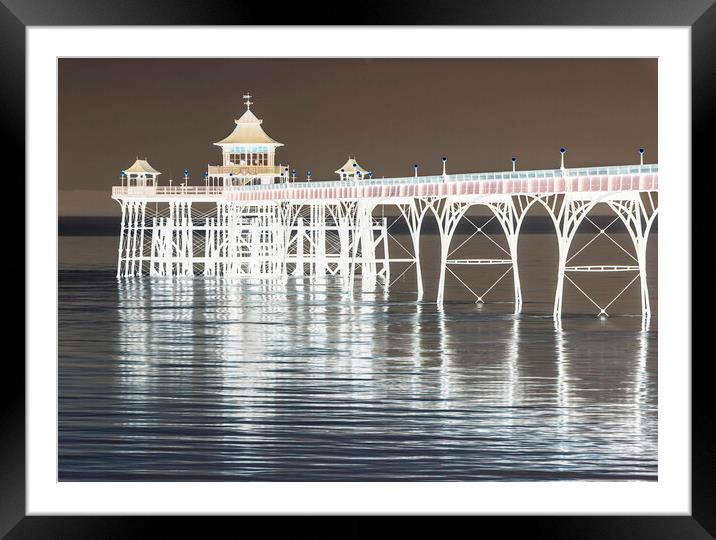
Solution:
(352, 171)
(248, 155)
(140, 174)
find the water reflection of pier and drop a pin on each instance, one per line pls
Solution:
(249, 369)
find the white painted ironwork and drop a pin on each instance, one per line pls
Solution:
(479, 261)
(277, 229)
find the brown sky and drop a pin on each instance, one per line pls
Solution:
(390, 113)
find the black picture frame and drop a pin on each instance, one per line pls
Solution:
(700, 15)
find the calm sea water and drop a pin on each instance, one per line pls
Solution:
(204, 379)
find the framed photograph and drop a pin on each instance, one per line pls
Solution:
(440, 266)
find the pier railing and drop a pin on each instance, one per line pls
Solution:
(160, 191)
(245, 170)
(586, 179)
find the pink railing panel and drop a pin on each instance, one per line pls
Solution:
(442, 187)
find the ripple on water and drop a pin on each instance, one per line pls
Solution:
(201, 379)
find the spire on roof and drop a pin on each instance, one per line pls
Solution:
(248, 129)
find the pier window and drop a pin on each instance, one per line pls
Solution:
(238, 158)
(260, 159)
(249, 158)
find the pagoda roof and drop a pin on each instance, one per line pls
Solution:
(351, 167)
(248, 130)
(141, 166)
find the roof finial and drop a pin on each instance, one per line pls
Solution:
(248, 101)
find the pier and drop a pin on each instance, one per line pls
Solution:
(254, 218)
